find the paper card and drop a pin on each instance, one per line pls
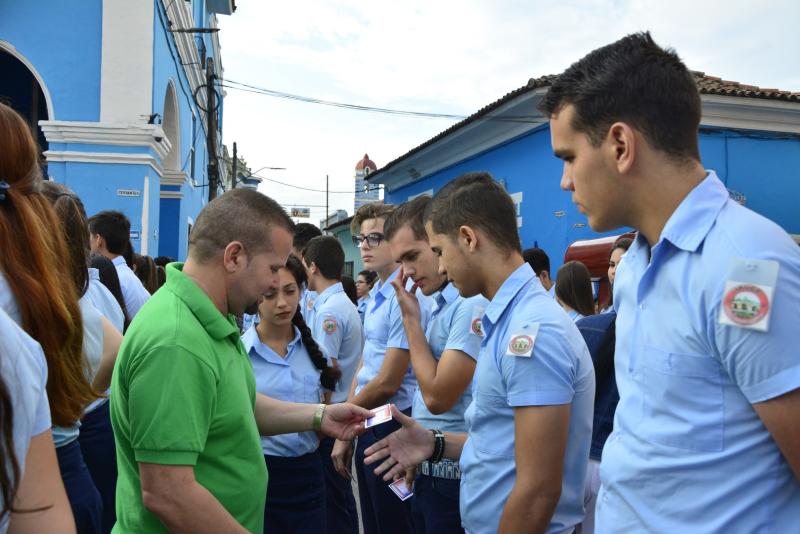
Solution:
(382, 415)
(400, 489)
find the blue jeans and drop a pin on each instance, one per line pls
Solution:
(97, 445)
(382, 512)
(340, 503)
(87, 508)
(295, 495)
(435, 505)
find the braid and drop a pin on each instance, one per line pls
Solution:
(9, 469)
(328, 375)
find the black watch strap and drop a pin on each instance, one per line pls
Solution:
(438, 446)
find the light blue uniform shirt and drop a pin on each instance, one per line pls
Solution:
(383, 329)
(574, 315)
(24, 372)
(558, 371)
(102, 299)
(133, 292)
(452, 327)
(688, 452)
(293, 379)
(337, 330)
(307, 304)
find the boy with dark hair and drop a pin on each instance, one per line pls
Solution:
(523, 459)
(443, 356)
(385, 374)
(110, 236)
(540, 263)
(336, 326)
(303, 233)
(706, 298)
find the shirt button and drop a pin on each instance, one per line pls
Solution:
(641, 306)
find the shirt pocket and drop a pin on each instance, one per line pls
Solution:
(492, 429)
(683, 400)
(312, 389)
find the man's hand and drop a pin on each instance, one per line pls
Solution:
(411, 474)
(342, 456)
(401, 450)
(409, 305)
(344, 421)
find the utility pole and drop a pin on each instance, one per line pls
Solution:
(235, 165)
(211, 131)
(326, 202)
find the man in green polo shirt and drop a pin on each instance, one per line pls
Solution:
(184, 409)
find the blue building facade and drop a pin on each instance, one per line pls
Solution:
(750, 137)
(116, 93)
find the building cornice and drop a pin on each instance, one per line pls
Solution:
(149, 136)
(107, 158)
(172, 177)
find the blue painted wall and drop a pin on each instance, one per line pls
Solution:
(764, 167)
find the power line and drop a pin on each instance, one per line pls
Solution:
(370, 188)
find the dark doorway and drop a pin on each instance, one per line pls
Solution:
(20, 90)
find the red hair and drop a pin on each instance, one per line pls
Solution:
(34, 258)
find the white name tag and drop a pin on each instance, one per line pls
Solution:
(522, 342)
(747, 297)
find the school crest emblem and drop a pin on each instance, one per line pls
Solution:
(520, 345)
(477, 326)
(745, 304)
(330, 326)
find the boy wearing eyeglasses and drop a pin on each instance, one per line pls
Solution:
(384, 376)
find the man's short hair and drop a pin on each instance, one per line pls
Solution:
(411, 213)
(242, 215)
(373, 210)
(327, 254)
(114, 227)
(476, 200)
(635, 81)
(537, 259)
(303, 233)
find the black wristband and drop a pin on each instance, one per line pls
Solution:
(438, 447)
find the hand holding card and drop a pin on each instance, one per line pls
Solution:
(380, 415)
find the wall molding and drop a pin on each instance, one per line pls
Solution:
(173, 177)
(107, 133)
(106, 158)
(171, 194)
(750, 113)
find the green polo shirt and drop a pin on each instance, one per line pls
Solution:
(183, 393)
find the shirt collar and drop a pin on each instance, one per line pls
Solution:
(445, 296)
(119, 261)
(329, 292)
(508, 290)
(94, 274)
(253, 345)
(383, 290)
(217, 325)
(690, 223)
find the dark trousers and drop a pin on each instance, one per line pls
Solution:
(340, 503)
(435, 505)
(382, 511)
(295, 495)
(97, 445)
(84, 499)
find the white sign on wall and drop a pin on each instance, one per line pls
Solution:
(128, 193)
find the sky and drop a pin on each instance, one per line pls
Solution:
(451, 57)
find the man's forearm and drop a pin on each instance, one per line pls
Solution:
(454, 444)
(193, 510)
(528, 512)
(279, 417)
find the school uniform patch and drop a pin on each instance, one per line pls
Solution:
(330, 326)
(477, 327)
(747, 296)
(310, 304)
(745, 304)
(521, 343)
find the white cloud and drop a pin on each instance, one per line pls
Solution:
(448, 56)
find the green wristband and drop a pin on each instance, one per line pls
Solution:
(317, 422)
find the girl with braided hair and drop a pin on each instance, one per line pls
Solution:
(289, 365)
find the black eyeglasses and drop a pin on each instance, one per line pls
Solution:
(373, 240)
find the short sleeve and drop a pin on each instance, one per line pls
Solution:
(764, 365)
(171, 399)
(42, 421)
(462, 335)
(546, 377)
(397, 334)
(328, 333)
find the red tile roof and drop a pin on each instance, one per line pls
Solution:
(709, 85)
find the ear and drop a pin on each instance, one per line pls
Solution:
(468, 237)
(622, 144)
(234, 257)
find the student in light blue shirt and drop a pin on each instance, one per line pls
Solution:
(705, 433)
(385, 375)
(443, 357)
(305, 232)
(289, 366)
(523, 460)
(336, 326)
(364, 282)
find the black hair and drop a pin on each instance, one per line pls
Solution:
(369, 276)
(110, 279)
(9, 464)
(161, 274)
(537, 259)
(303, 233)
(72, 215)
(146, 272)
(328, 375)
(475, 199)
(635, 81)
(623, 243)
(349, 286)
(327, 254)
(411, 213)
(114, 227)
(162, 261)
(574, 287)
